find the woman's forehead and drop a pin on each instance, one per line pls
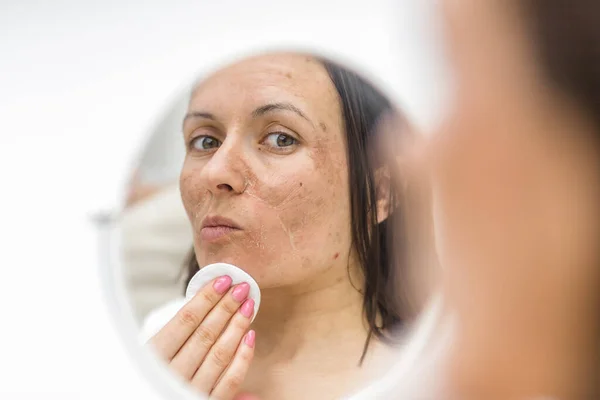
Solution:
(277, 77)
(278, 64)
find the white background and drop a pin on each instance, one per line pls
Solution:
(81, 82)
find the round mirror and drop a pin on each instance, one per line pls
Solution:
(259, 240)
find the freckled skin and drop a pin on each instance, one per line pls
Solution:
(293, 208)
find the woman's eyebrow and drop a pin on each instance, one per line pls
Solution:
(198, 114)
(262, 110)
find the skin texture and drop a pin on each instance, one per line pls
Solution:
(290, 203)
(516, 174)
(289, 198)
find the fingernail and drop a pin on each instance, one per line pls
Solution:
(222, 284)
(247, 309)
(241, 292)
(250, 338)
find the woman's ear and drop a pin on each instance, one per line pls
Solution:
(383, 190)
(395, 138)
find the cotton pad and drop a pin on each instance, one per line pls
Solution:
(212, 271)
(161, 316)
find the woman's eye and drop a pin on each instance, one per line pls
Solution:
(205, 143)
(280, 140)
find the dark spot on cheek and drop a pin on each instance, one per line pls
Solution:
(289, 75)
(336, 256)
(301, 184)
(323, 126)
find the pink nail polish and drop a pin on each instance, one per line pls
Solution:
(250, 338)
(222, 284)
(247, 309)
(241, 292)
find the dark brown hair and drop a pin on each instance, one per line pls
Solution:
(566, 35)
(363, 106)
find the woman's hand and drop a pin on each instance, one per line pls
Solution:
(207, 342)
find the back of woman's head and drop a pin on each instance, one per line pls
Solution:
(566, 35)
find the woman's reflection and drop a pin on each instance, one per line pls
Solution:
(280, 179)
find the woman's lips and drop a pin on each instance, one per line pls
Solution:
(215, 227)
(214, 233)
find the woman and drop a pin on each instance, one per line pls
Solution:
(280, 179)
(517, 174)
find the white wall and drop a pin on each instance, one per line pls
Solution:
(81, 82)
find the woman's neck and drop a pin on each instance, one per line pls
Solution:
(301, 321)
(315, 333)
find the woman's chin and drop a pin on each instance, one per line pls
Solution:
(254, 271)
(266, 275)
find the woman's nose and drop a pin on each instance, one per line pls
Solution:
(224, 172)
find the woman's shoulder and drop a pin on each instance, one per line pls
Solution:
(159, 317)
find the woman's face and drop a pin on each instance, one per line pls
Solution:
(265, 179)
(516, 174)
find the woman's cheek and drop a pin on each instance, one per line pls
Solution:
(318, 214)
(193, 195)
(185, 182)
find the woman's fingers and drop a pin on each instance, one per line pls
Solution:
(222, 353)
(203, 340)
(233, 377)
(176, 332)
(192, 353)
